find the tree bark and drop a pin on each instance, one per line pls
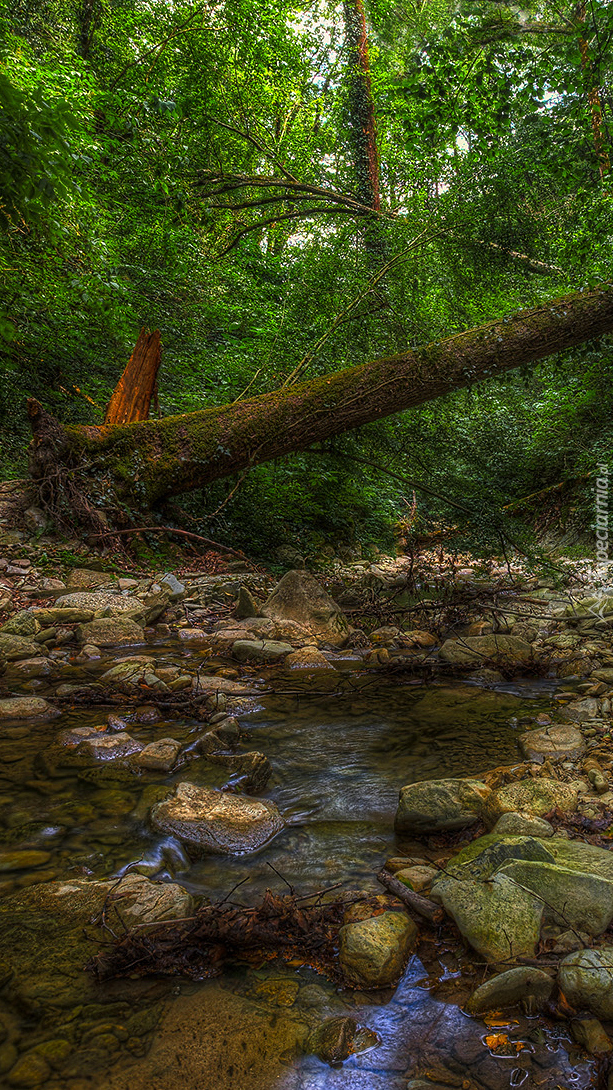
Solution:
(137, 387)
(592, 90)
(362, 127)
(361, 105)
(143, 463)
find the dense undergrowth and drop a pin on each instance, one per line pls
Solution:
(114, 118)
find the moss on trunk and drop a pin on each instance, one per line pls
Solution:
(145, 462)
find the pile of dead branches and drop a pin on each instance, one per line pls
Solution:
(302, 929)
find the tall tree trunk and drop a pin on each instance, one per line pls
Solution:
(362, 125)
(89, 14)
(592, 91)
(143, 463)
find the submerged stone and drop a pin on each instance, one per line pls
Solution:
(27, 707)
(339, 1038)
(22, 860)
(526, 986)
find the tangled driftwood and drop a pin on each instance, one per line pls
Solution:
(293, 928)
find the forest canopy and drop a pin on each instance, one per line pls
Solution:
(288, 190)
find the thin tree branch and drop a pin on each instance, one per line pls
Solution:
(158, 46)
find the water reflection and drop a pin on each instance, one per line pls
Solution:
(338, 763)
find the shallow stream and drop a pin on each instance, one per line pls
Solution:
(340, 751)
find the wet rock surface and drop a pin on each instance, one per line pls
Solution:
(217, 822)
(525, 986)
(440, 804)
(91, 814)
(339, 1038)
(374, 952)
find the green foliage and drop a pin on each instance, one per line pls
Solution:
(115, 116)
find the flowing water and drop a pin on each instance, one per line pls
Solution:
(340, 751)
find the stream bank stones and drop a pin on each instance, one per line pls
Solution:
(430, 805)
(216, 821)
(374, 952)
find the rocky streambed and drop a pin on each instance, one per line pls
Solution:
(165, 739)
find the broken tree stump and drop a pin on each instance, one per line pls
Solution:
(137, 387)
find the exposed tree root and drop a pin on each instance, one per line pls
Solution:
(54, 475)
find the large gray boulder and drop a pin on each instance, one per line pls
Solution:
(469, 650)
(299, 597)
(216, 821)
(586, 979)
(571, 899)
(497, 918)
(373, 952)
(430, 805)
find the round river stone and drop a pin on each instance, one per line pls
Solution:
(217, 821)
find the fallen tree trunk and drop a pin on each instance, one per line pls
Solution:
(142, 463)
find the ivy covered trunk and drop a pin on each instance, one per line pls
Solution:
(362, 126)
(137, 465)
